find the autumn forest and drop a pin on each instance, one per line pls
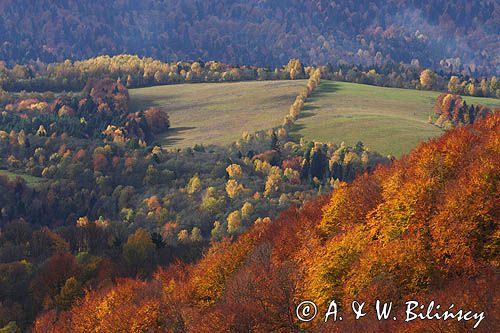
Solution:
(110, 222)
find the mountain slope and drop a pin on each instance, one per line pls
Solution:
(255, 31)
(425, 227)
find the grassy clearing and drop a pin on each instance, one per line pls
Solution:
(30, 180)
(387, 120)
(218, 113)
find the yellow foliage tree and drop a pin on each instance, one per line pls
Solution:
(233, 188)
(234, 171)
(427, 79)
(234, 222)
(194, 185)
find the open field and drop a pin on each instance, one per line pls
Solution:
(218, 113)
(387, 120)
(30, 180)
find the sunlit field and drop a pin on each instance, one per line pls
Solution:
(218, 113)
(387, 120)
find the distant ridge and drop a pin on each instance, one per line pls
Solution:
(257, 32)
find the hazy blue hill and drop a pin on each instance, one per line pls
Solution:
(257, 32)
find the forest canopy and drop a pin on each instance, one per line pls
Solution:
(400, 233)
(438, 34)
(110, 222)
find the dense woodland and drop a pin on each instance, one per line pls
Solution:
(462, 35)
(424, 227)
(89, 198)
(104, 230)
(85, 185)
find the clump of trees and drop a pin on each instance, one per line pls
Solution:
(157, 120)
(452, 111)
(100, 111)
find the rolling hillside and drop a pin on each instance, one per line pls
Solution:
(422, 228)
(387, 120)
(249, 166)
(218, 113)
(256, 32)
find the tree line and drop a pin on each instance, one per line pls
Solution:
(133, 71)
(413, 76)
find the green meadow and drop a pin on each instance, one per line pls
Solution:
(387, 120)
(218, 113)
(30, 180)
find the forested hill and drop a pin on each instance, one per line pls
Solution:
(425, 227)
(257, 32)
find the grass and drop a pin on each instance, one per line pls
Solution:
(387, 120)
(30, 180)
(218, 113)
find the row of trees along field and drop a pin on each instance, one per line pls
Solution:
(423, 228)
(414, 77)
(451, 111)
(133, 72)
(80, 211)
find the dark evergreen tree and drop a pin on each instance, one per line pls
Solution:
(318, 164)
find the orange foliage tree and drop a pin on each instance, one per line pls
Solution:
(425, 226)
